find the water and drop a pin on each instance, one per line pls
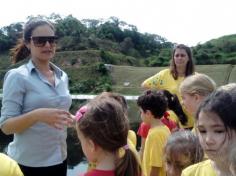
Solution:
(80, 168)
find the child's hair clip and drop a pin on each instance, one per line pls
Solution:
(126, 147)
(148, 92)
(80, 113)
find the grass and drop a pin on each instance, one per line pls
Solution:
(127, 79)
(134, 76)
(219, 73)
(232, 76)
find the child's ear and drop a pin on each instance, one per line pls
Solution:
(148, 113)
(197, 97)
(92, 146)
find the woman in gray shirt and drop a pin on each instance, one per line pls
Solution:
(35, 104)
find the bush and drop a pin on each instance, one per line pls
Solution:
(101, 68)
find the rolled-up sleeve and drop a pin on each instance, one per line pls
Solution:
(13, 96)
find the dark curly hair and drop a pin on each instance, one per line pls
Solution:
(153, 101)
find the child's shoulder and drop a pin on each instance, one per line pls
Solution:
(163, 128)
(159, 131)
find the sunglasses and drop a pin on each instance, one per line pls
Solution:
(180, 55)
(41, 41)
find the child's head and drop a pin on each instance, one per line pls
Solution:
(216, 123)
(194, 89)
(120, 98)
(174, 105)
(182, 149)
(103, 128)
(152, 103)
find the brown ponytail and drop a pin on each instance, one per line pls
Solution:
(128, 165)
(19, 52)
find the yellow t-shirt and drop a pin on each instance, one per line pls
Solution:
(165, 81)
(132, 137)
(153, 155)
(203, 168)
(9, 167)
(134, 150)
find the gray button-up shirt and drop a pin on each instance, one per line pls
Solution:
(24, 90)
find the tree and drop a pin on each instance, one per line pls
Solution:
(110, 30)
(4, 42)
(71, 31)
(126, 45)
(9, 35)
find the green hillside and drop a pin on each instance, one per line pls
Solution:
(217, 51)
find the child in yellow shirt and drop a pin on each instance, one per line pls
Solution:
(152, 106)
(216, 130)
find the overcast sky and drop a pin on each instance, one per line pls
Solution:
(181, 21)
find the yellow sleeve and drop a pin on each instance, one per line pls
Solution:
(153, 82)
(9, 167)
(133, 149)
(132, 137)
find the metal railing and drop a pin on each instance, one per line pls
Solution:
(89, 97)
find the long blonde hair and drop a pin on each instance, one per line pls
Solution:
(200, 84)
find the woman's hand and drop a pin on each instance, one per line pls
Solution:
(56, 118)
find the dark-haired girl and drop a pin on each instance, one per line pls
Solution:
(216, 130)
